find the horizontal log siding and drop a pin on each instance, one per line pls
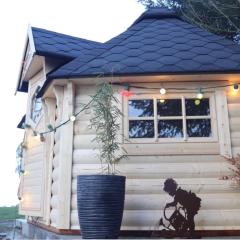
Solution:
(32, 187)
(32, 181)
(55, 177)
(146, 173)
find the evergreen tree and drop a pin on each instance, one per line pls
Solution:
(221, 17)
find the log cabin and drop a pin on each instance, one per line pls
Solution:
(184, 131)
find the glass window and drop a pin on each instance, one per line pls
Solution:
(36, 108)
(140, 108)
(141, 129)
(169, 107)
(180, 118)
(196, 107)
(170, 128)
(199, 128)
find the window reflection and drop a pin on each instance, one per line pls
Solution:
(36, 109)
(199, 128)
(141, 129)
(140, 108)
(170, 107)
(170, 129)
(195, 107)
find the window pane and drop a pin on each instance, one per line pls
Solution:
(141, 128)
(36, 109)
(140, 108)
(170, 107)
(199, 128)
(38, 104)
(196, 107)
(170, 129)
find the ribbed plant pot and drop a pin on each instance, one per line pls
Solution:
(100, 200)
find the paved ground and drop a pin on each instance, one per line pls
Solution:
(12, 231)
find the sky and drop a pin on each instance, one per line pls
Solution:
(97, 20)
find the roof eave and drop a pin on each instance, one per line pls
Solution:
(26, 60)
(232, 76)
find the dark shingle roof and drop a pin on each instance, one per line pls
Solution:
(53, 44)
(159, 42)
(21, 123)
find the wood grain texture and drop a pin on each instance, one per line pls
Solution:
(195, 166)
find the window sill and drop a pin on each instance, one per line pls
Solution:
(179, 148)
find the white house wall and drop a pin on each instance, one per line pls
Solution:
(199, 171)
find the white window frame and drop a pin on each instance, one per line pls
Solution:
(33, 97)
(182, 96)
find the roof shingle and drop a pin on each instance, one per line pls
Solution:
(159, 42)
(49, 43)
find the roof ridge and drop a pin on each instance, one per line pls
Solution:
(156, 13)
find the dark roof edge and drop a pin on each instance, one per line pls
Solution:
(23, 87)
(65, 35)
(156, 13)
(54, 55)
(20, 124)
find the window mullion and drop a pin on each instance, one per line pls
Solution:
(184, 119)
(155, 119)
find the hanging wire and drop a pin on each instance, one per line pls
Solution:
(125, 85)
(68, 120)
(175, 88)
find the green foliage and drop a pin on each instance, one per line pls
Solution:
(106, 122)
(9, 213)
(217, 16)
(19, 155)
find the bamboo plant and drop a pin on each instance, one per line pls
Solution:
(106, 122)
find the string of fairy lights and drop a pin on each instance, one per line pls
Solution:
(126, 92)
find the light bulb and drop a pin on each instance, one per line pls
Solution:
(72, 118)
(25, 173)
(36, 136)
(197, 102)
(42, 138)
(235, 87)
(162, 100)
(126, 93)
(162, 91)
(200, 94)
(50, 127)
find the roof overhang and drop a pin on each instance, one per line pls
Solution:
(231, 78)
(21, 123)
(31, 63)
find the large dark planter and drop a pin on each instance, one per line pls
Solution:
(100, 200)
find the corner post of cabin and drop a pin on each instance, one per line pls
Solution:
(49, 107)
(223, 124)
(65, 101)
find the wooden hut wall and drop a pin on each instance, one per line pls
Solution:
(233, 100)
(54, 202)
(195, 167)
(32, 188)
